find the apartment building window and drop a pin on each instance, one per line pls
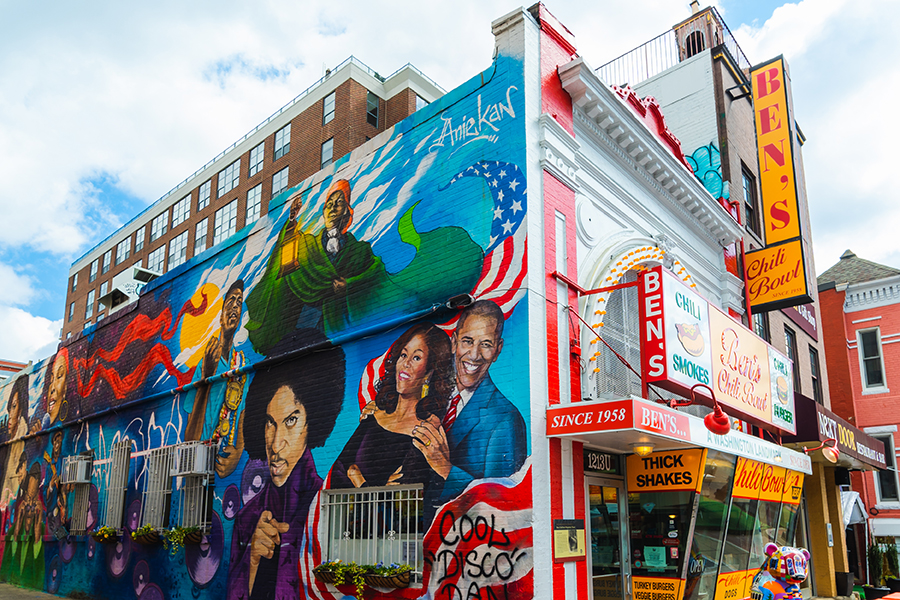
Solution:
(89, 309)
(104, 287)
(123, 251)
(751, 202)
(282, 141)
(279, 181)
(139, 240)
(886, 481)
(156, 498)
(372, 109)
(816, 375)
(95, 265)
(256, 159)
(328, 108)
(790, 344)
(254, 204)
(156, 262)
(159, 226)
(421, 102)
(178, 250)
(200, 237)
(226, 222)
(327, 152)
(71, 311)
(181, 211)
(74, 282)
(869, 345)
(229, 178)
(107, 261)
(203, 196)
(761, 325)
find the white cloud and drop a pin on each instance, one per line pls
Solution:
(15, 288)
(25, 336)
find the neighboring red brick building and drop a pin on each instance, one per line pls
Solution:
(860, 303)
(340, 112)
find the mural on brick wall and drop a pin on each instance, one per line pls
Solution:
(350, 413)
(706, 163)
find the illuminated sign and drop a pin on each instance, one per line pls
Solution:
(686, 341)
(776, 276)
(673, 471)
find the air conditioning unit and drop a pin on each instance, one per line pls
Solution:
(76, 469)
(193, 458)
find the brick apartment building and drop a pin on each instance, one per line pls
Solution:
(347, 107)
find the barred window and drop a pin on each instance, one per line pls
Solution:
(226, 222)
(123, 250)
(254, 204)
(621, 330)
(157, 497)
(282, 141)
(107, 261)
(279, 181)
(203, 196)
(200, 236)
(256, 159)
(229, 178)
(181, 211)
(156, 262)
(376, 525)
(194, 464)
(118, 481)
(178, 250)
(159, 226)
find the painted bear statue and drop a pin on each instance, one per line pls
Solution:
(780, 576)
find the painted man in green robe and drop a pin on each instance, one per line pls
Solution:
(314, 272)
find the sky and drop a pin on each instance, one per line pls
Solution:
(105, 106)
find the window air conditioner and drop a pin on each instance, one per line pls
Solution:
(76, 469)
(193, 458)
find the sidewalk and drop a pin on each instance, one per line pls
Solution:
(12, 592)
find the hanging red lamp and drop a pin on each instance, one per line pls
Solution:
(829, 453)
(716, 421)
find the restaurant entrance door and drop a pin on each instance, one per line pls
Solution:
(608, 563)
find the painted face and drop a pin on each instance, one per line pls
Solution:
(296, 205)
(57, 446)
(411, 367)
(336, 211)
(57, 392)
(285, 434)
(231, 311)
(475, 346)
(14, 413)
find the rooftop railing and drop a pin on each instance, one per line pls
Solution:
(663, 51)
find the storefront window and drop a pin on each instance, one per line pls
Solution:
(787, 527)
(606, 566)
(712, 513)
(736, 555)
(767, 521)
(659, 524)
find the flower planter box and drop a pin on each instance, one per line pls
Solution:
(148, 539)
(325, 576)
(104, 539)
(400, 580)
(194, 537)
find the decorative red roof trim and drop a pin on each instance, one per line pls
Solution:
(648, 110)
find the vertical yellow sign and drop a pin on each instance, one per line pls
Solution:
(774, 139)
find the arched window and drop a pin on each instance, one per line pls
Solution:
(694, 44)
(621, 330)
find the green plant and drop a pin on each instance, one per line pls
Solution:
(892, 568)
(173, 539)
(875, 557)
(142, 531)
(346, 573)
(106, 533)
(387, 570)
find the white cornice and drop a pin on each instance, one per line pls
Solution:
(609, 118)
(558, 151)
(872, 294)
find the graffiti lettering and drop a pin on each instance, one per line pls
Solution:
(471, 129)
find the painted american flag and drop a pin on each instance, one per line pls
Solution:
(505, 258)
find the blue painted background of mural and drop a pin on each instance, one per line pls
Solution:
(272, 344)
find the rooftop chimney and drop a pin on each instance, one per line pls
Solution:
(695, 7)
